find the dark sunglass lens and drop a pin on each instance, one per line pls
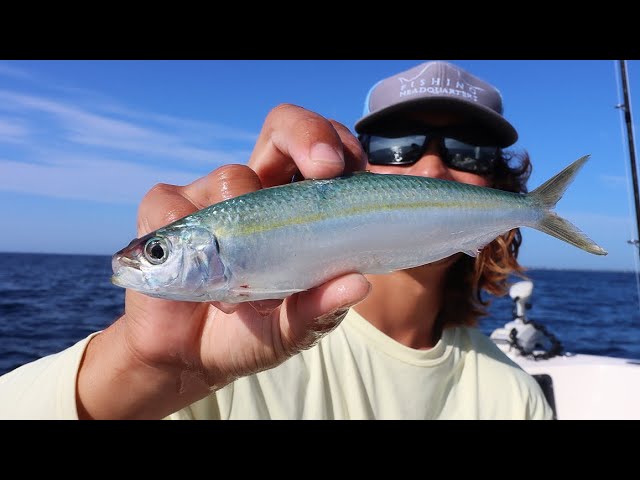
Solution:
(470, 158)
(395, 151)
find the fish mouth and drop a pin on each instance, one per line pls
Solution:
(119, 262)
(115, 279)
(126, 261)
(124, 268)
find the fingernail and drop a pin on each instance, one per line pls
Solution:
(325, 154)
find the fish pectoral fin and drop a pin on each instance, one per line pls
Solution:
(479, 243)
(475, 249)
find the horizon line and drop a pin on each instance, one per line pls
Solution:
(526, 267)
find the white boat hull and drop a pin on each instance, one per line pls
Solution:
(588, 387)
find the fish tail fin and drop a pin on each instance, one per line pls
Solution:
(565, 230)
(547, 196)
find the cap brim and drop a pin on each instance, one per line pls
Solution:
(483, 125)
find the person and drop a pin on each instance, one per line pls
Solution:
(404, 345)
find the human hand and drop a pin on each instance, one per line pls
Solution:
(200, 347)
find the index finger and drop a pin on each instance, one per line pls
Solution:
(294, 138)
(165, 203)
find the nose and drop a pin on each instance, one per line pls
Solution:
(432, 164)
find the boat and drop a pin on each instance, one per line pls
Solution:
(577, 386)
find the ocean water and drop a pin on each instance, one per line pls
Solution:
(49, 302)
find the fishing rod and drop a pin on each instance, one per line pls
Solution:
(626, 108)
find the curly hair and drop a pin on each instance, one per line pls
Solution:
(490, 270)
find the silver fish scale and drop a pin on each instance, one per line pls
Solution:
(277, 241)
(324, 198)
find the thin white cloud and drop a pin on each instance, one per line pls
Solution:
(14, 72)
(615, 181)
(186, 127)
(98, 102)
(95, 179)
(93, 148)
(13, 130)
(596, 220)
(611, 232)
(91, 129)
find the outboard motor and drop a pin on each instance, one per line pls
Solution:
(520, 329)
(528, 338)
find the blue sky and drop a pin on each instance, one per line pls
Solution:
(82, 141)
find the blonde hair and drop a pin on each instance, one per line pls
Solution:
(490, 270)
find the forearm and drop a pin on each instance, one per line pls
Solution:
(114, 383)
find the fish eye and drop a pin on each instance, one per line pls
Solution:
(156, 250)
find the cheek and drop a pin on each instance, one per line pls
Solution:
(386, 169)
(470, 178)
(462, 177)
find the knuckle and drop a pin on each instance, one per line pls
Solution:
(159, 189)
(347, 137)
(286, 106)
(352, 143)
(233, 170)
(232, 180)
(282, 109)
(312, 125)
(302, 119)
(160, 206)
(341, 127)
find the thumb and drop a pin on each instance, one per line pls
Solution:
(308, 316)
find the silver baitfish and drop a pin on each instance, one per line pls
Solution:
(277, 241)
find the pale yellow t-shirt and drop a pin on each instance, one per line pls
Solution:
(355, 372)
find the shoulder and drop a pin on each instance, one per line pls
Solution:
(44, 388)
(490, 360)
(501, 377)
(473, 340)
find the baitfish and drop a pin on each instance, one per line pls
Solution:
(274, 242)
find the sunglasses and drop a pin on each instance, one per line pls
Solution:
(408, 149)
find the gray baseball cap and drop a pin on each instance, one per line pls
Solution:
(437, 87)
